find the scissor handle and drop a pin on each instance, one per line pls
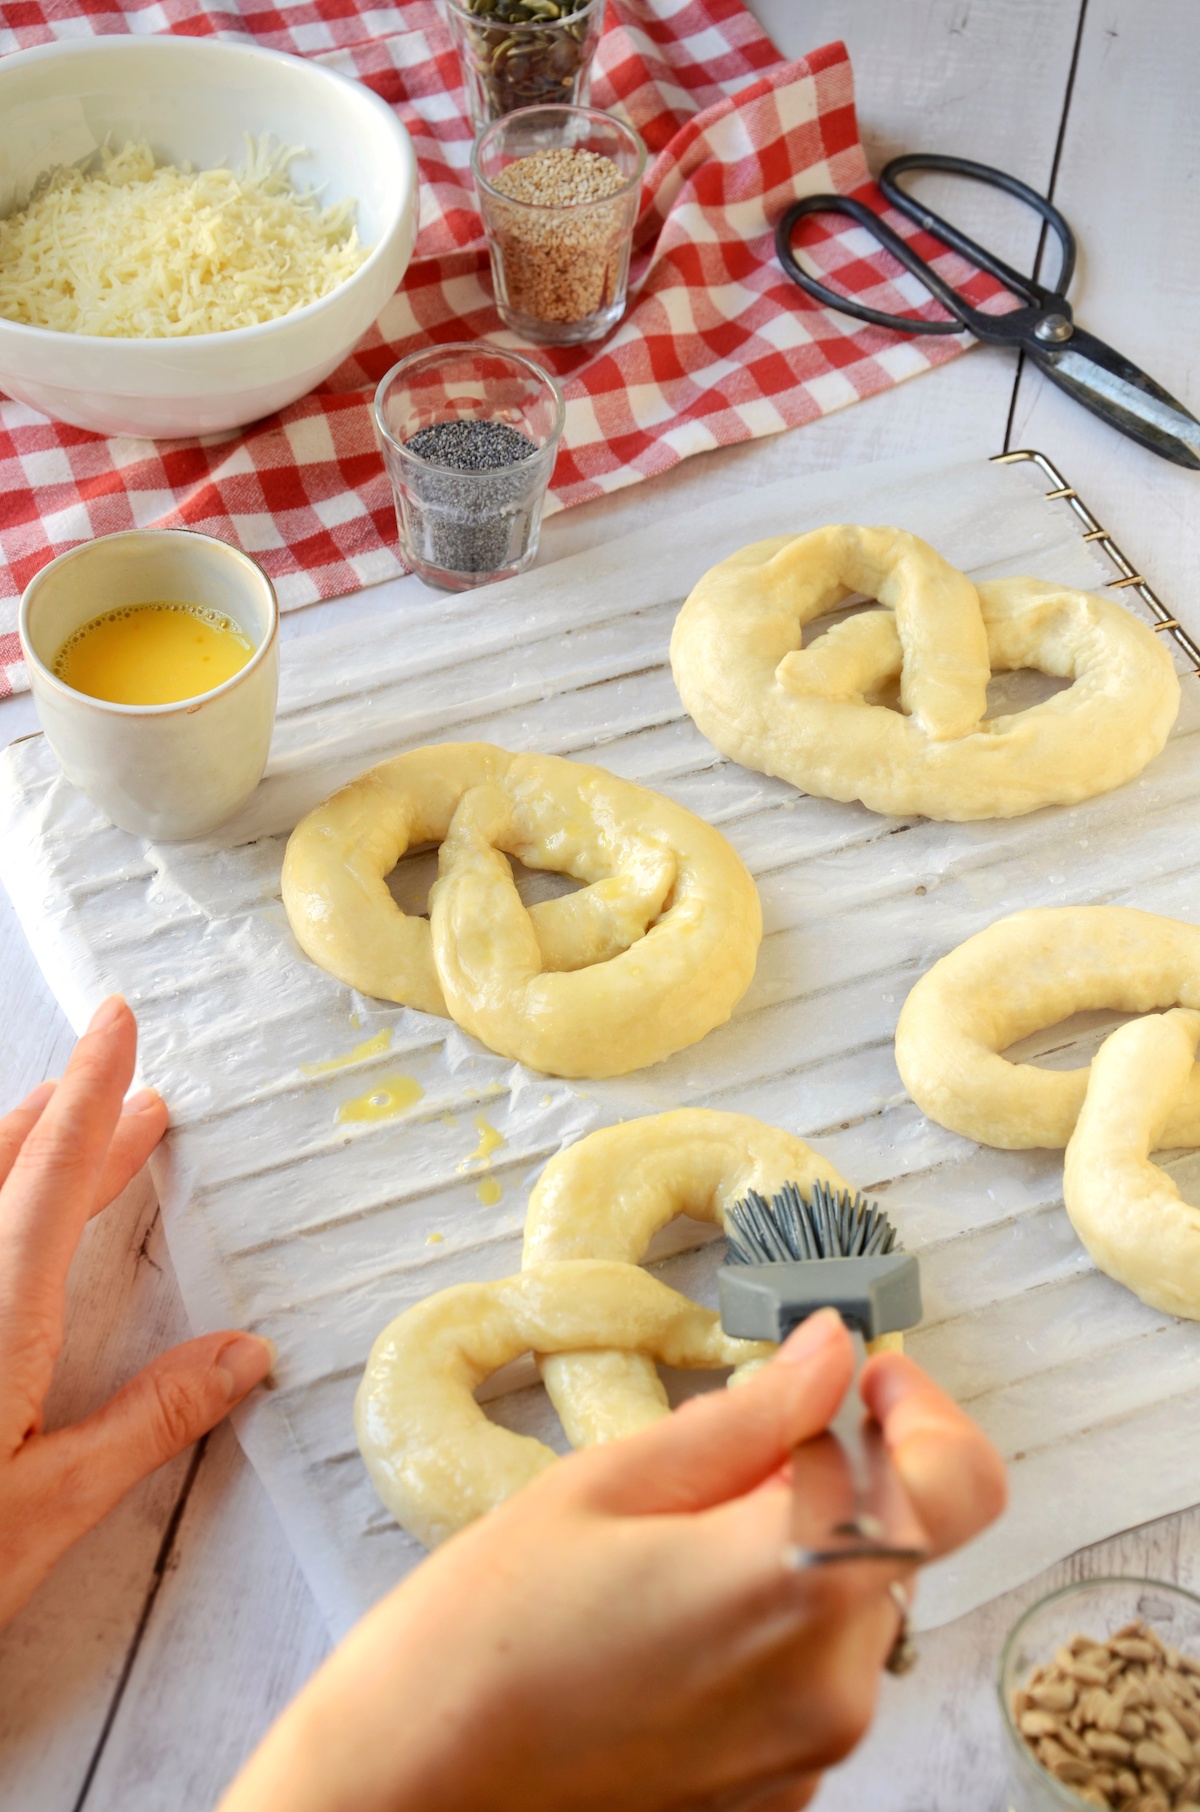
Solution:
(1028, 287)
(882, 232)
(1011, 328)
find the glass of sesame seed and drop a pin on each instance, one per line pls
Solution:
(559, 190)
(1099, 1688)
(469, 434)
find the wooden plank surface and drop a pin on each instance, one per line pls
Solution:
(142, 1673)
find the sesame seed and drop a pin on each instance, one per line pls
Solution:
(557, 264)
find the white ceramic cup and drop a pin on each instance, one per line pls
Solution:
(161, 771)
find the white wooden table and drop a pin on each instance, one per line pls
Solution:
(143, 1672)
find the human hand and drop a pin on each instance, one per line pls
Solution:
(624, 1632)
(65, 1153)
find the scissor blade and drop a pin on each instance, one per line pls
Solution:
(1115, 389)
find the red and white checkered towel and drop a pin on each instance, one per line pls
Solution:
(717, 345)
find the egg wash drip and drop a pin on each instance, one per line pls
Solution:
(488, 1188)
(152, 654)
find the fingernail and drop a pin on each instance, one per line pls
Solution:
(142, 1102)
(244, 1362)
(806, 1341)
(107, 1013)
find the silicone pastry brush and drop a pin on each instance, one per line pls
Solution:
(787, 1258)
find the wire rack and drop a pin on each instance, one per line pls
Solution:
(1128, 577)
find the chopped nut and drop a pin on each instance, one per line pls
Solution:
(1118, 1722)
(1086, 1673)
(1151, 1755)
(1188, 1719)
(1172, 1736)
(1039, 1724)
(1071, 1740)
(1072, 1772)
(1053, 1695)
(1108, 1743)
(1109, 1711)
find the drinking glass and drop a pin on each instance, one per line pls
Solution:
(524, 62)
(460, 529)
(560, 270)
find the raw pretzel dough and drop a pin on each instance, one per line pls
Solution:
(434, 1457)
(606, 1196)
(1021, 975)
(1127, 1212)
(653, 952)
(812, 716)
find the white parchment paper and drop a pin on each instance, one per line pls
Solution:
(316, 1230)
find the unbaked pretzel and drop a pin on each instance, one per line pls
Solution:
(606, 1196)
(1021, 975)
(433, 1456)
(816, 716)
(1127, 1212)
(651, 953)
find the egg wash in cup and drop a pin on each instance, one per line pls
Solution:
(153, 659)
(152, 654)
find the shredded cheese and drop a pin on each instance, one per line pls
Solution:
(133, 250)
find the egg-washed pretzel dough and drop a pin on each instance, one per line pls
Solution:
(1022, 975)
(653, 951)
(606, 1196)
(813, 715)
(1127, 1212)
(433, 1456)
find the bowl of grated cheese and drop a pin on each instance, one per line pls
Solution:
(193, 233)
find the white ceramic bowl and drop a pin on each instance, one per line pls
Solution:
(193, 100)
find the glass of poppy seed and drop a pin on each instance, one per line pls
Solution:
(524, 53)
(1099, 1688)
(559, 190)
(469, 434)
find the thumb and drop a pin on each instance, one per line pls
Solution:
(177, 1398)
(724, 1444)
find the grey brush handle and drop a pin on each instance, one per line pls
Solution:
(848, 1500)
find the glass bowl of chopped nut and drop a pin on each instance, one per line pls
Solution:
(559, 190)
(1099, 1690)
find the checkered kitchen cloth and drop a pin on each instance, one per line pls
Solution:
(717, 345)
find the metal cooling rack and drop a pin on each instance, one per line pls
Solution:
(1129, 578)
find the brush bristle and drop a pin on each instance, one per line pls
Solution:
(826, 1223)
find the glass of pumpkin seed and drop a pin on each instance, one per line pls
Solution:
(524, 53)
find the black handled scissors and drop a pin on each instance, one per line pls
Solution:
(1100, 378)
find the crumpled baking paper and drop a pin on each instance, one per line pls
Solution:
(316, 1230)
